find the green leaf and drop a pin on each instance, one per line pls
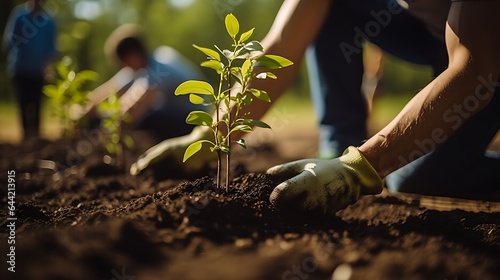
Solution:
(265, 75)
(196, 99)
(71, 76)
(51, 91)
(259, 124)
(242, 143)
(246, 35)
(246, 68)
(245, 54)
(252, 122)
(128, 141)
(199, 118)
(260, 94)
(247, 99)
(253, 46)
(62, 70)
(111, 148)
(272, 62)
(241, 127)
(115, 138)
(232, 25)
(236, 76)
(250, 50)
(88, 75)
(213, 64)
(225, 149)
(228, 54)
(199, 87)
(108, 123)
(191, 150)
(194, 148)
(209, 52)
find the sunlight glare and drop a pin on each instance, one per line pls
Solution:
(180, 4)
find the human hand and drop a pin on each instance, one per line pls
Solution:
(324, 185)
(173, 149)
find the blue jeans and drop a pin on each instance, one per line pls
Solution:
(335, 63)
(461, 166)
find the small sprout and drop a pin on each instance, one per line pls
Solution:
(114, 140)
(232, 66)
(67, 97)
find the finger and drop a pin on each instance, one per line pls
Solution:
(152, 155)
(142, 163)
(286, 171)
(292, 192)
(135, 169)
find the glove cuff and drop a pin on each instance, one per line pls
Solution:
(368, 176)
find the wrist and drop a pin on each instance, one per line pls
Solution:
(369, 179)
(373, 153)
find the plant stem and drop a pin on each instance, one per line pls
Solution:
(227, 172)
(229, 124)
(219, 163)
(228, 145)
(120, 157)
(216, 136)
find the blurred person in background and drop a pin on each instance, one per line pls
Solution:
(30, 43)
(146, 84)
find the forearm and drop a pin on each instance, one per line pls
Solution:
(427, 120)
(294, 29)
(137, 99)
(98, 95)
(461, 91)
(116, 84)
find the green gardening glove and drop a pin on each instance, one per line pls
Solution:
(325, 185)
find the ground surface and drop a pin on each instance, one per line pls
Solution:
(90, 222)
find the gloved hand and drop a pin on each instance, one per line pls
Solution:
(325, 185)
(173, 149)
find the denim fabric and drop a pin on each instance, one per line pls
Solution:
(461, 166)
(335, 63)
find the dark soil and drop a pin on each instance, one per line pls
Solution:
(87, 220)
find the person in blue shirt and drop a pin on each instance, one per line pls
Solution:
(146, 84)
(29, 41)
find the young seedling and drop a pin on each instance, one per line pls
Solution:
(233, 66)
(66, 96)
(114, 139)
